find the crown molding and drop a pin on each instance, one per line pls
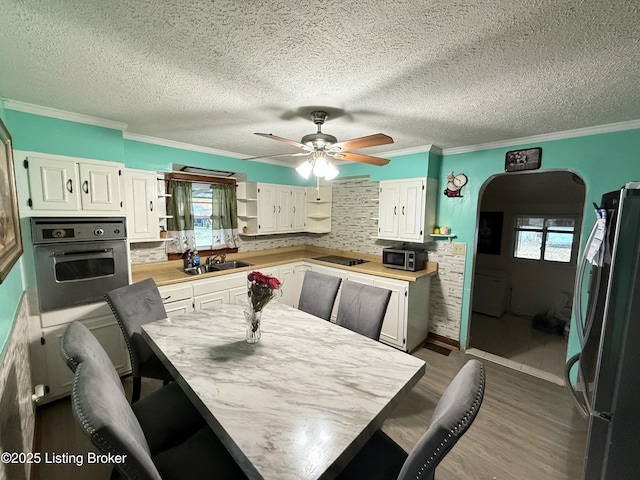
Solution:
(182, 146)
(546, 137)
(61, 114)
(412, 150)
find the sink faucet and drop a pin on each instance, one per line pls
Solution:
(220, 258)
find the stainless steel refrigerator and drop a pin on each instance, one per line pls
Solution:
(607, 314)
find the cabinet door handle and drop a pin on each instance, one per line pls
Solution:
(395, 210)
(279, 209)
(164, 299)
(294, 209)
(70, 185)
(151, 205)
(85, 186)
(403, 209)
(274, 209)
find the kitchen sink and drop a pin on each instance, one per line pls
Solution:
(228, 265)
(216, 267)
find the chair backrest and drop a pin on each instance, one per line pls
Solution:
(318, 294)
(133, 306)
(362, 308)
(105, 416)
(453, 415)
(78, 344)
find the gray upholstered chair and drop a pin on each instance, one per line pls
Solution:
(318, 294)
(160, 437)
(166, 416)
(105, 416)
(382, 459)
(362, 308)
(133, 306)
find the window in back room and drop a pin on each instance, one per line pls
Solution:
(545, 238)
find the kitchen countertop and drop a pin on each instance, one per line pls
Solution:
(171, 272)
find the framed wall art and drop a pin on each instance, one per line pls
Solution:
(10, 234)
(528, 159)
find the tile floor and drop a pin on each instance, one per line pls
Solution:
(511, 341)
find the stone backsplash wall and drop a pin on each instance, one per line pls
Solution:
(17, 412)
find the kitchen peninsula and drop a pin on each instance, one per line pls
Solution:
(406, 323)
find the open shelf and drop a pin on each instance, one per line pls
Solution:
(449, 236)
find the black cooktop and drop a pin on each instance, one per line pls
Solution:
(341, 260)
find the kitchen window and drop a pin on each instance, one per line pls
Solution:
(202, 214)
(545, 238)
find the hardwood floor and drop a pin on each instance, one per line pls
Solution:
(527, 428)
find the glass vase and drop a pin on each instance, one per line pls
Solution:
(253, 325)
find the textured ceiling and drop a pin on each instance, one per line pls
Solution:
(210, 73)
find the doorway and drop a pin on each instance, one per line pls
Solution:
(527, 243)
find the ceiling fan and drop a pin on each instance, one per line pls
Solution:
(318, 146)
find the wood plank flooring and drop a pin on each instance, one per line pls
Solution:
(527, 428)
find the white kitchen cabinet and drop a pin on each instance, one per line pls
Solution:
(406, 210)
(299, 214)
(51, 370)
(71, 184)
(177, 299)
(267, 208)
(141, 204)
(219, 290)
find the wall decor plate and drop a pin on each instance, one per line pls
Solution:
(517, 160)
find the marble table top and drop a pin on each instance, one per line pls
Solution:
(297, 405)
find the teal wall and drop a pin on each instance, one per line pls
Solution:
(605, 162)
(11, 289)
(62, 137)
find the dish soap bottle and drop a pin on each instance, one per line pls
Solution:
(196, 258)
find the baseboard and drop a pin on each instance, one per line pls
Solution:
(443, 341)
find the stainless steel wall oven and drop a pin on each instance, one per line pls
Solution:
(78, 259)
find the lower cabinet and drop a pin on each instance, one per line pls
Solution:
(51, 370)
(406, 323)
(216, 291)
(177, 299)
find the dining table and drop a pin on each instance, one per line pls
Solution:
(301, 402)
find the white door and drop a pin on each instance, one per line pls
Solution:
(100, 186)
(284, 213)
(394, 325)
(411, 210)
(290, 292)
(388, 209)
(267, 208)
(141, 202)
(53, 184)
(238, 295)
(299, 209)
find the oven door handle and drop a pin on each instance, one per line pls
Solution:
(87, 255)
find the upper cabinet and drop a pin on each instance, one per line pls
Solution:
(71, 184)
(142, 204)
(407, 209)
(267, 208)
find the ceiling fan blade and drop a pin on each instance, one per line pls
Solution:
(280, 139)
(301, 154)
(358, 157)
(363, 142)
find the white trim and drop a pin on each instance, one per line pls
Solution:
(61, 114)
(179, 145)
(412, 150)
(546, 137)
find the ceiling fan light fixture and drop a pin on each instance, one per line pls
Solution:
(331, 172)
(305, 169)
(320, 168)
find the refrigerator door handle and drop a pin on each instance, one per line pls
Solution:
(577, 399)
(577, 292)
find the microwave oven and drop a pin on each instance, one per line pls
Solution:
(403, 258)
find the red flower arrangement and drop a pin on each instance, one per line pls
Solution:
(261, 289)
